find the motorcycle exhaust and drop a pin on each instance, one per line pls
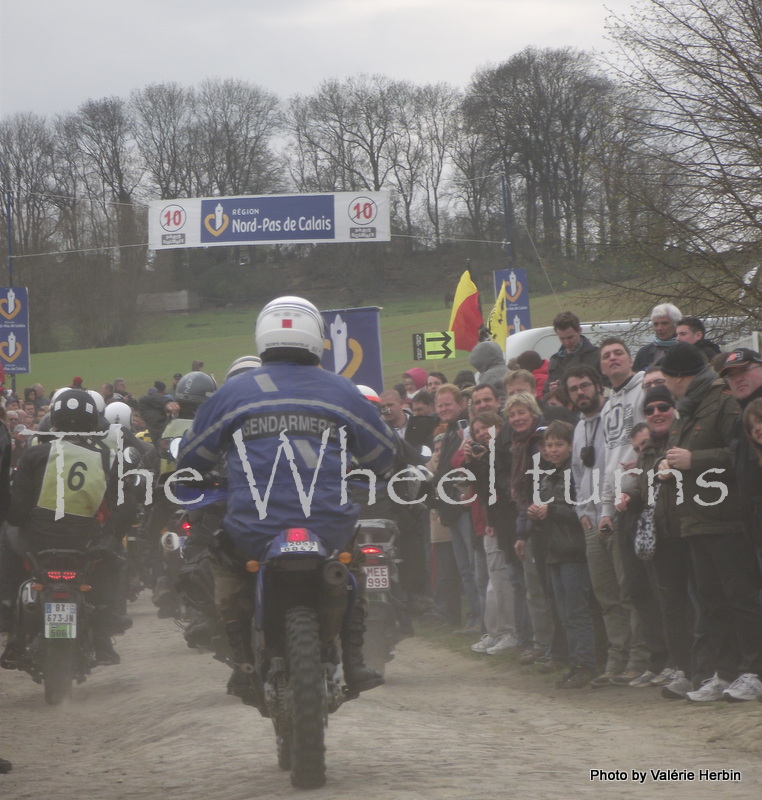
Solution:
(334, 596)
(335, 574)
(170, 541)
(29, 597)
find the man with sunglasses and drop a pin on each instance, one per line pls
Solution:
(726, 570)
(742, 369)
(668, 616)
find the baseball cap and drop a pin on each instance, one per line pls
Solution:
(741, 357)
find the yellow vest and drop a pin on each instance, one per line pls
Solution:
(175, 427)
(79, 475)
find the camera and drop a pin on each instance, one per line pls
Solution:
(477, 448)
(587, 455)
(462, 424)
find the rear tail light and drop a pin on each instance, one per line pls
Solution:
(61, 575)
(373, 553)
(297, 535)
(186, 526)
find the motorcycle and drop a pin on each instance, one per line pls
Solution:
(53, 624)
(290, 659)
(387, 622)
(193, 580)
(302, 593)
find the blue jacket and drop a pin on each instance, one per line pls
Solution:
(259, 419)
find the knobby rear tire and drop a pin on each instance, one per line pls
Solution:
(308, 689)
(375, 647)
(60, 667)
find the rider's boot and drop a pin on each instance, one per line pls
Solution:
(105, 655)
(243, 682)
(357, 674)
(11, 653)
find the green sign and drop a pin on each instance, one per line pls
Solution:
(430, 346)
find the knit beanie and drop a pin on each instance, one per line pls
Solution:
(658, 394)
(683, 359)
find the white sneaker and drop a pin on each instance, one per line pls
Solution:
(505, 642)
(746, 687)
(678, 688)
(643, 680)
(485, 642)
(711, 689)
(665, 677)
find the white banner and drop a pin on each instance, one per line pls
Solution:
(269, 219)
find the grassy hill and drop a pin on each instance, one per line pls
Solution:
(170, 342)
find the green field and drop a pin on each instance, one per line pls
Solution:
(170, 343)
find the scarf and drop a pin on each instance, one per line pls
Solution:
(697, 388)
(521, 452)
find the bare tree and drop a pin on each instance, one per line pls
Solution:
(343, 133)
(437, 129)
(27, 170)
(162, 121)
(235, 124)
(99, 142)
(697, 64)
(541, 111)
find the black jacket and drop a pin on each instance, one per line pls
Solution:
(560, 361)
(561, 531)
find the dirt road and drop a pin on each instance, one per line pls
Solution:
(445, 726)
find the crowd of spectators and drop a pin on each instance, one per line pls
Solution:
(600, 511)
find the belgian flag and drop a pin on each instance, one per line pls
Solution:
(466, 318)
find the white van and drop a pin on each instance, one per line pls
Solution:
(635, 332)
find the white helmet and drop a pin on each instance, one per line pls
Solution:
(290, 322)
(369, 394)
(243, 364)
(58, 392)
(100, 403)
(118, 413)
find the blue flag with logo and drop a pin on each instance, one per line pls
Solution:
(517, 314)
(14, 329)
(353, 345)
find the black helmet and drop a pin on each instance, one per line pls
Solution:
(74, 410)
(192, 389)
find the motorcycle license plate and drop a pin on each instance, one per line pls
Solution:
(376, 577)
(299, 547)
(60, 620)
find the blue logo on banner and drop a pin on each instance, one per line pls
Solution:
(353, 345)
(14, 329)
(516, 298)
(261, 219)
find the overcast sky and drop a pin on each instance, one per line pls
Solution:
(56, 54)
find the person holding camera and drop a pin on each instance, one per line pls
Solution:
(451, 410)
(498, 602)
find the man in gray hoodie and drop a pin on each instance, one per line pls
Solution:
(488, 360)
(623, 410)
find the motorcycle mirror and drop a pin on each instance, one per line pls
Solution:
(174, 447)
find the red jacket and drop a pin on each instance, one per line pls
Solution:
(540, 376)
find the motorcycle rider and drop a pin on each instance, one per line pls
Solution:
(90, 513)
(251, 418)
(195, 577)
(191, 391)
